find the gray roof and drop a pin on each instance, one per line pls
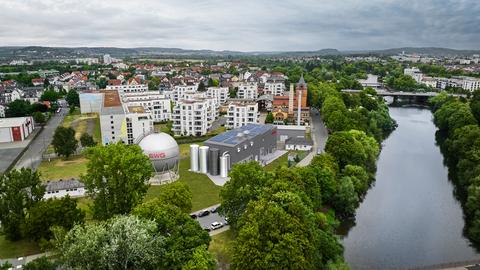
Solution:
(302, 80)
(299, 141)
(63, 184)
(239, 135)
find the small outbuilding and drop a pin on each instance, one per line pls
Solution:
(15, 129)
(298, 143)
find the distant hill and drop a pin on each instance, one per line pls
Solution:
(433, 51)
(39, 52)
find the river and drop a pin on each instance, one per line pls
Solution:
(410, 217)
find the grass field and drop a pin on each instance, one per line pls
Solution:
(281, 161)
(204, 192)
(221, 247)
(59, 168)
(9, 249)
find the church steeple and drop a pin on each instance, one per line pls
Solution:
(302, 80)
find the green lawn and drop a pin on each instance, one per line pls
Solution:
(221, 247)
(59, 168)
(9, 249)
(204, 192)
(281, 161)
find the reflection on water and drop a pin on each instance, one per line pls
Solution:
(409, 217)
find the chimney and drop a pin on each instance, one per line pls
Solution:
(299, 107)
(290, 99)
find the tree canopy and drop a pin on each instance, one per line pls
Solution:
(64, 142)
(116, 178)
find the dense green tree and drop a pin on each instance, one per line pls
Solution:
(39, 118)
(245, 184)
(353, 147)
(102, 82)
(73, 98)
(269, 119)
(116, 178)
(123, 242)
(87, 141)
(453, 115)
(201, 260)
(359, 177)
(20, 190)
(475, 104)
(6, 266)
(42, 263)
(279, 232)
(346, 199)
(183, 235)
(49, 95)
(201, 87)
(64, 142)
(18, 108)
(52, 212)
(178, 194)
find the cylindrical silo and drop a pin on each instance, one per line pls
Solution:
(194, 157)
(213, 161)
(223, 166)
(203, 153)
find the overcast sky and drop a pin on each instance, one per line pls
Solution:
(261, 25)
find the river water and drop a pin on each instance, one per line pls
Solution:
(410, 217)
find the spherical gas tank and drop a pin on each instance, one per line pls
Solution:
(162, 149)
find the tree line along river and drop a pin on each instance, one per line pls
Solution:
(410, 217)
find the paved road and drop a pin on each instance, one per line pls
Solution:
(33, 156)
(319, 136)
(21, 261)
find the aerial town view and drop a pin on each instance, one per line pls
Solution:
(203, 135)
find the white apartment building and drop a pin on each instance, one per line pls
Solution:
(415, 73)
(157, 104)
(107, 59)
(274, 88)
(181, 91)
(247, 90)
(119, 122)
(193, 117)
(241, 113)
(133, 85)
(2, 111)
(471, 84)
(220, 94)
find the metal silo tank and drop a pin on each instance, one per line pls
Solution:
(223, 166)
(194, 157)
(203, 153)
(213, 161)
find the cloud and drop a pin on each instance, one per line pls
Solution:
(246, 25)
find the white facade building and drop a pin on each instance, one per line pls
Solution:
(157, 104)
(119, 122)
(220, 94)
(2, 111)
(181, 91)
(107, 59)
(15, 129)
(415, 73)
(133, 85)
(241, 113)
(193, 117)
(62, 188)
(247, 90)
(471, 84)
(274, 88)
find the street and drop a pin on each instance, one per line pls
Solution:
(33, 156)
(319, 136)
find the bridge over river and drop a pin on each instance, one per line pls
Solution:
(401, 94)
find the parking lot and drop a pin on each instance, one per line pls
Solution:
(206, 221)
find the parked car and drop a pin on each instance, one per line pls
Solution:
(214, 209)
(216, 225)
(207, 229)
(204, 213)
(194, 216)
